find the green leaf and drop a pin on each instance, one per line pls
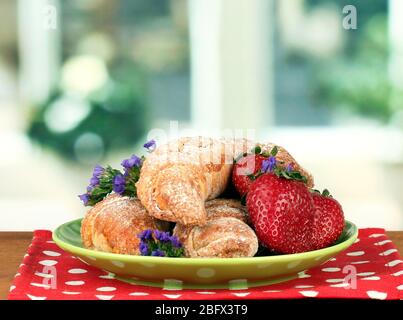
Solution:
(252, 177)
(298, 176)
(166, 247)
(291, 175)
(325, 193)
(274, 151)
(304, 179)
(243, 200)
(96, 192)
(257, 150)
(286, 175)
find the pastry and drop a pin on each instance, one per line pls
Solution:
(223, 208)
(178, 177)
(180, 182)
(113, 224)
(225, 235)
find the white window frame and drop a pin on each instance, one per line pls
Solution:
(231, 64)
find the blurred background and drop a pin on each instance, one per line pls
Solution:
(84, 81)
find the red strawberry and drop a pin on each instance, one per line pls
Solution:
(328, 221)
(247, 165)
(282, 212)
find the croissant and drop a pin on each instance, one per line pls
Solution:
(178, 177)
(225, 235)
(224, 208)
(113, 224)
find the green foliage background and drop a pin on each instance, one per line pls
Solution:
(118, 114)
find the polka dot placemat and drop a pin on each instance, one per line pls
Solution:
(370, 269)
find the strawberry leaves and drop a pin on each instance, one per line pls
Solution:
(290, 175)
(257, 150)
(257, 162)
(272, 165)
(325, 193)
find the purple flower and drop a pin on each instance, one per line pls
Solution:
(98, 170)
(84, 198)
(159, 244)
(143, 248)
(119, 183)
(165, 237)
(145, 235)
(150, 145)
(269, 164)
(94, 181)
(158, 253)
(162, 236)
(131, 162)
(289, 167)
(96, 175)
(175, 242)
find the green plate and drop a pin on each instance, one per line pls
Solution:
(200, 273)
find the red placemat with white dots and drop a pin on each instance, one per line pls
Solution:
(370, 269)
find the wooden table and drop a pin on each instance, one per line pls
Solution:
(13, 246)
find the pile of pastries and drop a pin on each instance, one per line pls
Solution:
(181, 188)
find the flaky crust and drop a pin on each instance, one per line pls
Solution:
(113, 224)
(225, 235)
(178, 177)
(222, 208)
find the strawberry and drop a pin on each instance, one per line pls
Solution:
(244, 169)
(282, 212)
(328, 220)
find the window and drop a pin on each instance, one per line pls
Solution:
(89, 89)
